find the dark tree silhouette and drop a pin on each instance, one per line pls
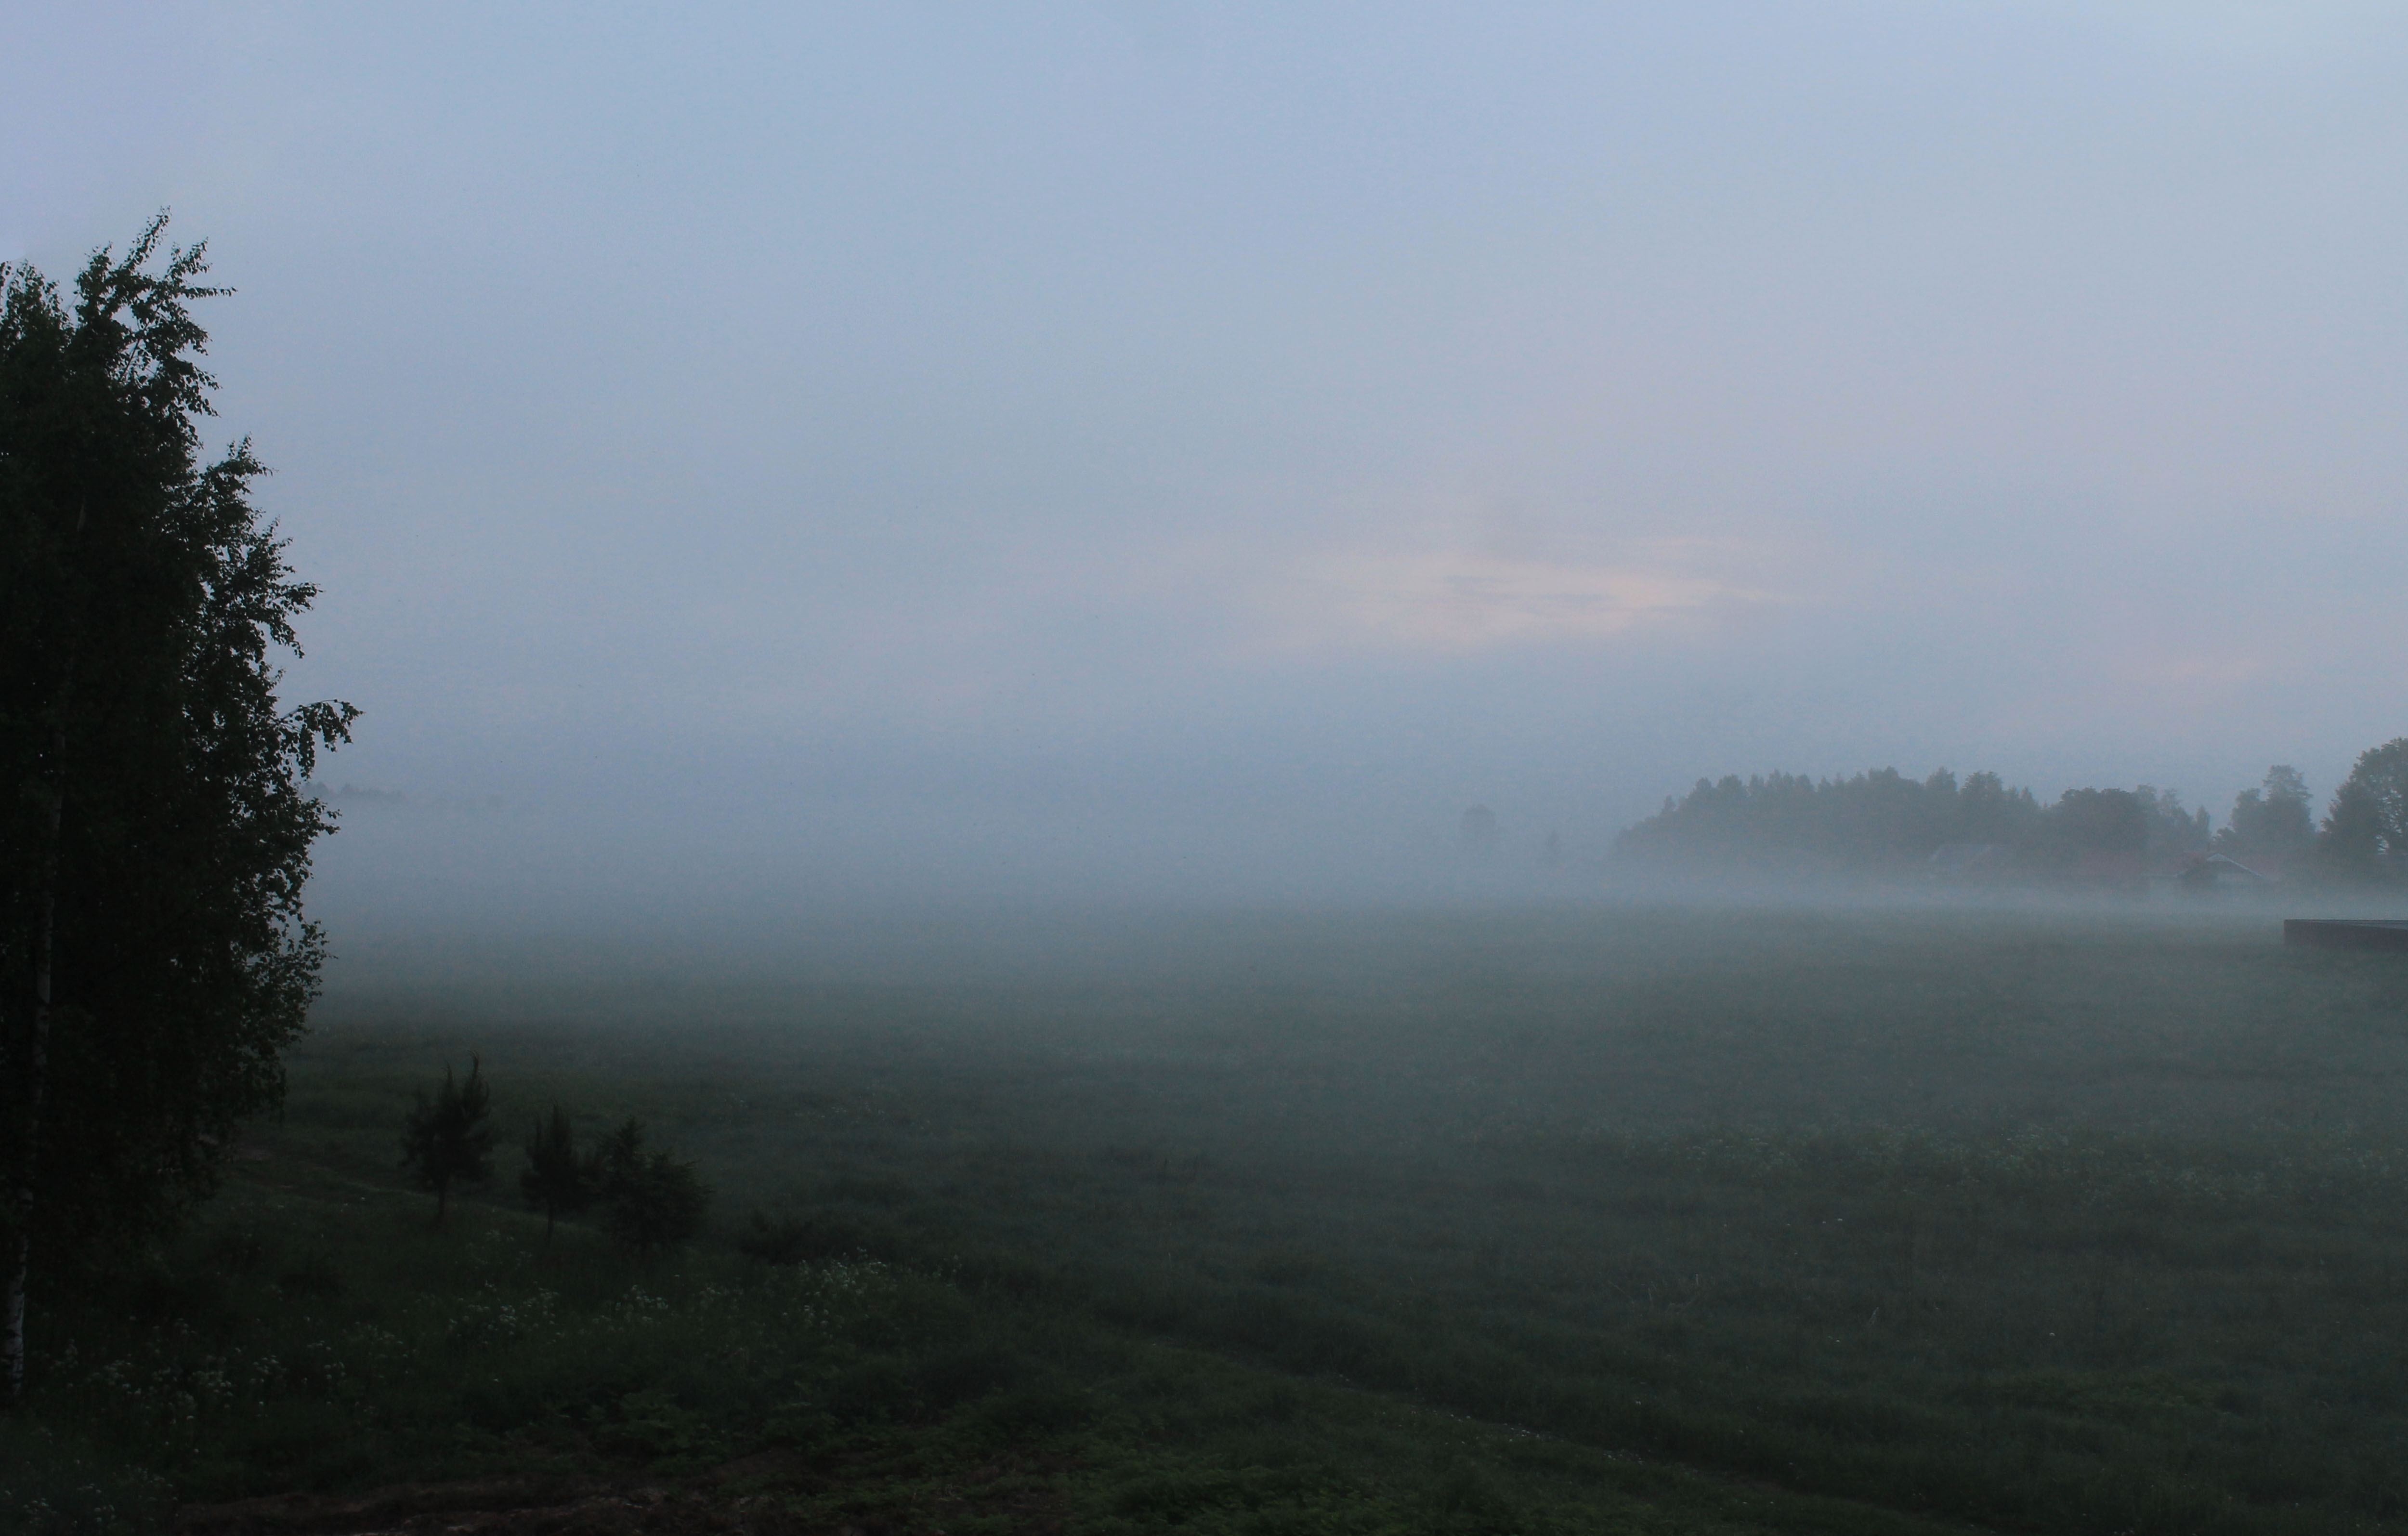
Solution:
(2088, 824)
(447, 1139)
(156, 814)
(1784, 824)
(2174, 831)
(2273, 818)
(556, 1181)
(650, 1199)
(2365, 834)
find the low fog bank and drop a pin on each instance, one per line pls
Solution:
(610, 911)
(401, 861)
(413, 887)
(398, 863)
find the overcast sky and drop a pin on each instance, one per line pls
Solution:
(931, 419)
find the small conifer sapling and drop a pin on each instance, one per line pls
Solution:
(447, 1140)
(651, 1201)
(556, 1181)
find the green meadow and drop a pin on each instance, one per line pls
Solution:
(1570, 1218)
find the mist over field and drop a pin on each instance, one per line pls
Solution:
(1196, 453)
(1121, 766)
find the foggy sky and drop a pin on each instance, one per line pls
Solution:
(1161, 438)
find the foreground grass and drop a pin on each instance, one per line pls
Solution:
(314, 1333)
(1741, 1221)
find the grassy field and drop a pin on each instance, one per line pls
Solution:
(1549, 1219)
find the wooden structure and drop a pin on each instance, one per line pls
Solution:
(2218, 870)
(2346, 933)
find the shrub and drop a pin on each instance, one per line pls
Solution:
(781, 1240)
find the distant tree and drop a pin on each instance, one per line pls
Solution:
(650, 1199)
(1784, 824)
(2174, 831)
(556, 1181)
(2367, 828)
(155, 815)
(447, 1139)
(2091, 823)
(2273, 818)
(2285, 785)
(1986, 811)
(2350, 844)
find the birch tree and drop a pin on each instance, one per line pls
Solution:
(155, 823)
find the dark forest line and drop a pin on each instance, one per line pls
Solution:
(1881, 823)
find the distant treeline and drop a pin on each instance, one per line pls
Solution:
(1881, 821)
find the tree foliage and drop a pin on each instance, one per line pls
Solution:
(556, 1181)
(2273, 818)
(2095, 822)
(2365, 833)
(1782, 822)
(1878, 821)
(2174, 832)
(650, 1199)
(155, 823)
(449, 1139)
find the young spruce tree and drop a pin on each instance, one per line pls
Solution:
(556, 1181)
(650, 1199)
(447, 1139)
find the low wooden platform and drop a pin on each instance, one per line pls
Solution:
(2346, 933)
